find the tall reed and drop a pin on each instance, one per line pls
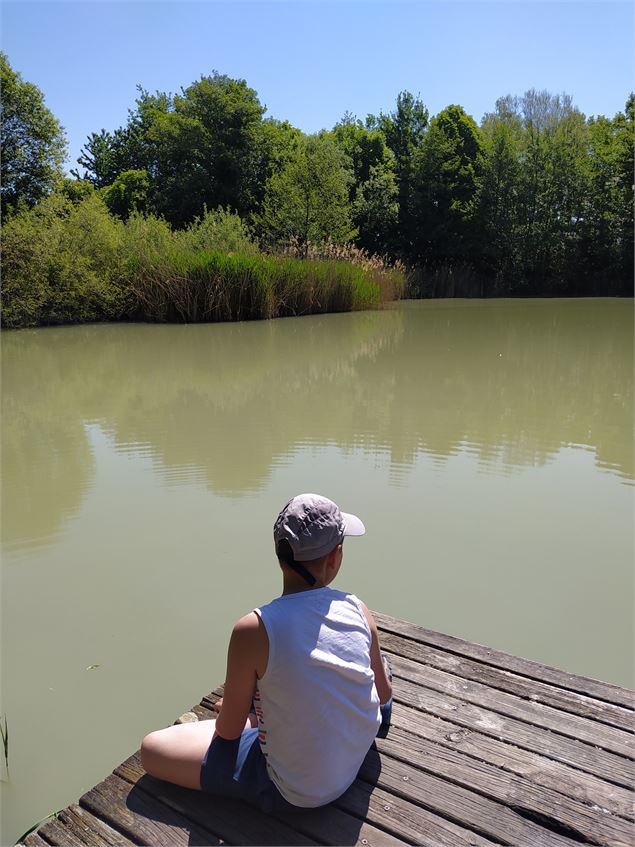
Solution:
(213, 286)
(388, 273)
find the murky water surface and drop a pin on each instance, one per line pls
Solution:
(486, 445)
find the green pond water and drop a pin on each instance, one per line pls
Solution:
(487, 445)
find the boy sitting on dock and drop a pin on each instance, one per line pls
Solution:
(305, 680)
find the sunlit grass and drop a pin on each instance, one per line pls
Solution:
(212, 286)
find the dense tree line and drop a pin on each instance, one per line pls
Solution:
(537, 199)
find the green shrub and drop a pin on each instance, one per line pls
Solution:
(128, 193)
(145, 241)
(220, 230)
(60, 264)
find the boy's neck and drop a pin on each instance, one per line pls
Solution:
(294, 584)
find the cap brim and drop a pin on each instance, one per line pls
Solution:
(353, 525)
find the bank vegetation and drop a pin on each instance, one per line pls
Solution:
(72, 261)
(200, 208)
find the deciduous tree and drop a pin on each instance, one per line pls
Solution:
(448, 175)
(373, 189)
(128, 193)
(404, 130)
(199, 148)
(32, 141)
(307, 199)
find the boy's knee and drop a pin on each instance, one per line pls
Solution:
(150, 750)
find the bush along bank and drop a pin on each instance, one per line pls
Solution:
(68, 260)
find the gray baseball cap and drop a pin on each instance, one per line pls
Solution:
(313, 525)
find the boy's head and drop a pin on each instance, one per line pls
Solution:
(312, 526)
(308, 535)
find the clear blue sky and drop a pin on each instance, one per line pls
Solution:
(312, 61)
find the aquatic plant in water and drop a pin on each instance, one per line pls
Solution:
(4, 733)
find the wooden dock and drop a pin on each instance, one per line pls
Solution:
(484, 748)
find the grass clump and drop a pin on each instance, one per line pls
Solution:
(389, 275)
(214, 286)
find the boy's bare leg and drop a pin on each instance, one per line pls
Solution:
(175, 754)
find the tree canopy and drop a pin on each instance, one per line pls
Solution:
(32, 141)
(307, 199)
(199, 148)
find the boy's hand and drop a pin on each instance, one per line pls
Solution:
(218, 705)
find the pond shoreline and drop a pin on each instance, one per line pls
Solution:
(384, 305)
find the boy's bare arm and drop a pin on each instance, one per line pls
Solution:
(382, 683)
(246, 657)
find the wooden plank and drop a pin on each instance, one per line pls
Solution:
(33, 840)
(533, 801)
(59, 835)
(230, 820)
(465, 808)
(141, 817)
(69, 829)
(395, 815)
(513, 683)
(82, 822)
(584, 685)
(536, 714)
(330, 825)
(407, 820)
(578, 754)
(563, 778)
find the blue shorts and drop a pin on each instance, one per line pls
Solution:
(238, 769)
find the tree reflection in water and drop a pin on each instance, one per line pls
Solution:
(511, 381)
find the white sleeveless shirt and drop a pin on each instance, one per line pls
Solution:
(317, 705)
